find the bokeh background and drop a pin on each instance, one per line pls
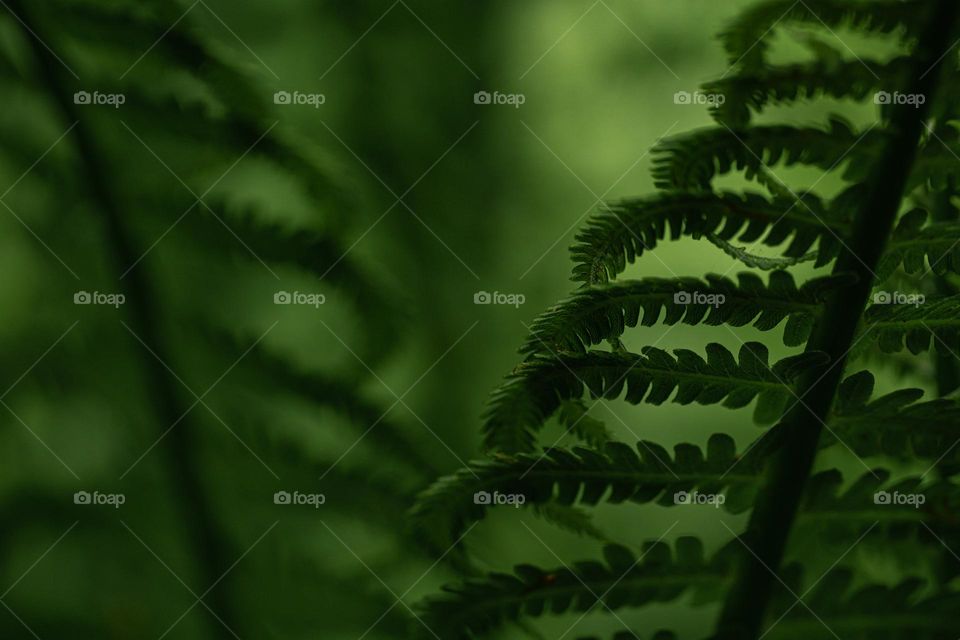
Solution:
(431, 197)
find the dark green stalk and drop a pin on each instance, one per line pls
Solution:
(772, 519)
(182, 461)
(945, 364)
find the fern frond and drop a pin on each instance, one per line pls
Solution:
(754, 89)
(914, 246)
(902, 612)
(936, 166)
(934, 322)
(615, 474)
(896, 425)
(571, 519)
(620, 234)
(600, 313)
(690, 161)
(477, 607)
(746, 40)
(839, 516)
(764, 263)
(574, 415)
(531, 394)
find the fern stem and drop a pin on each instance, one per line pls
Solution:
(771, 521)
(945, 364)
(182, 463)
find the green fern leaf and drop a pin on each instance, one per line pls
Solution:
(689, 162)
(534, 391)
(604, 312)
(901, 612)
(615, 474)
(895, 425)
(477, 607)
(837, 517)
(746, 40)
(758, 262)
(574, 416)
(917, 247)
(924, 323)
(620, 234)
(754, 89)
(570, 519)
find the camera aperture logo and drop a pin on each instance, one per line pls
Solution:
(296, 498)
(95, 297)
(485, 297)
(695, 497)
(895, 498)
(297, 98)
(697, 297)
(496, 499)
(512, 99)
(913, 99)
(97, 98)
(699, 98)
(897, 297)
(298, 297)
(96, 498)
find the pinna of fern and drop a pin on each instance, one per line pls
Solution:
(865, 239)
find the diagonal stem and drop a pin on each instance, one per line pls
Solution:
(772, 519)
(945, 364)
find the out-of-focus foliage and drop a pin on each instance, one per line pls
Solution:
(336, 152)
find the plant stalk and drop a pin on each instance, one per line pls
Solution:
(744, 610)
